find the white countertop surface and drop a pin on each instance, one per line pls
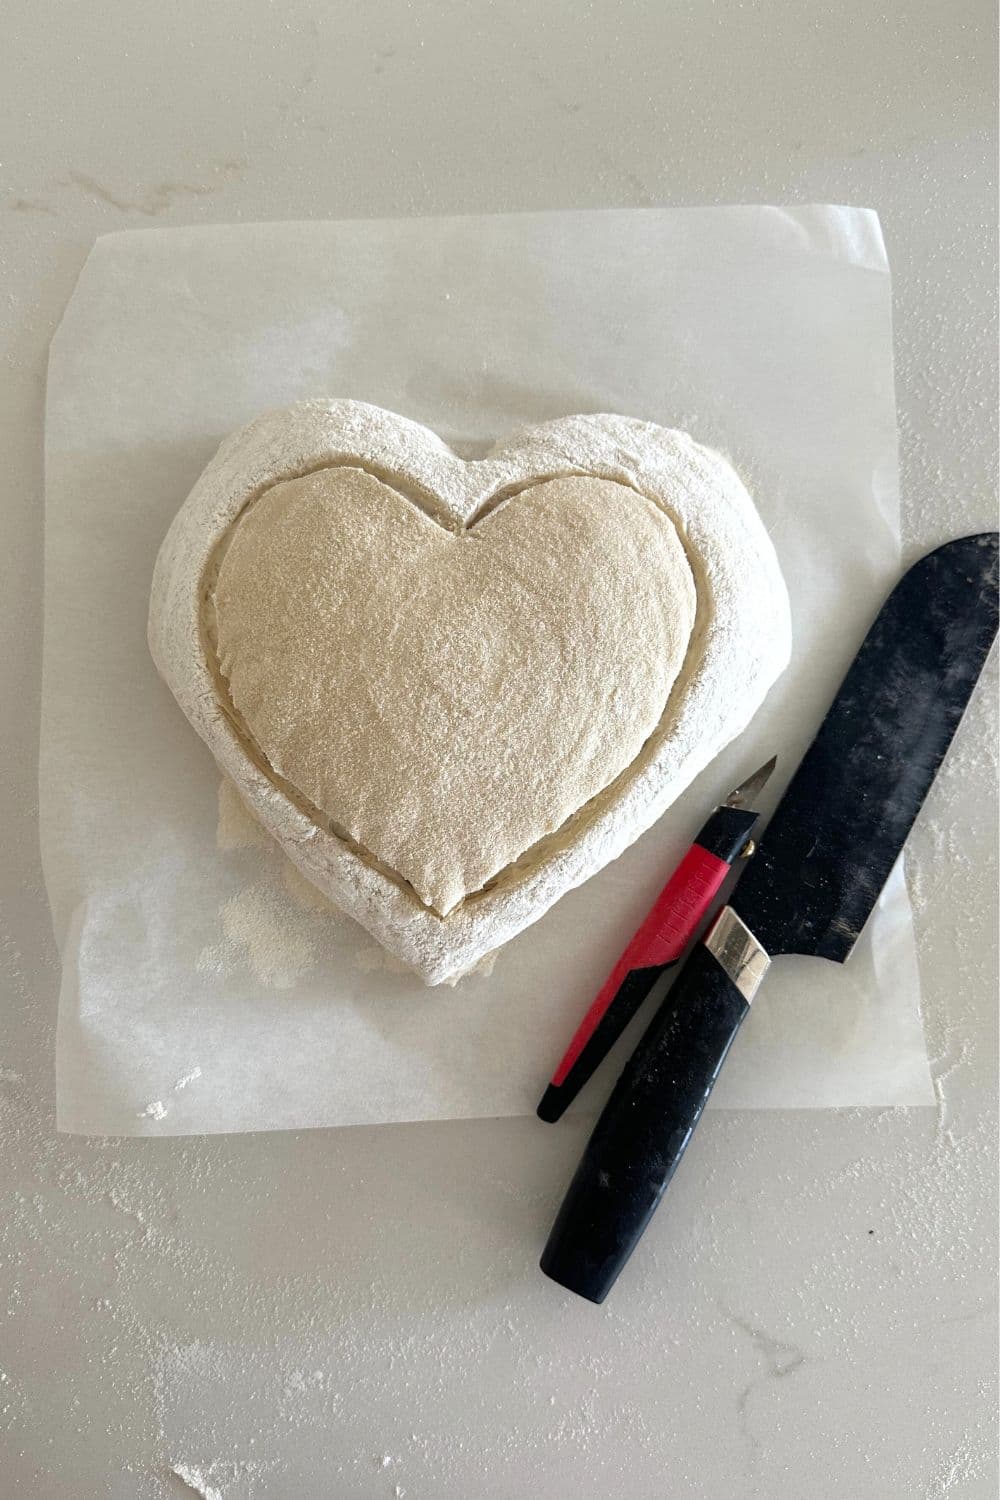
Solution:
(358, 1313)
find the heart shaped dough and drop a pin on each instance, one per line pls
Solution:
(449, 698)
(453, 690)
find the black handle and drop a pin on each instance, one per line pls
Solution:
(727, 832)
(644, 1129)
(628, 997)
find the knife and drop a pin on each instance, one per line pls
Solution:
(817, 873)
(659, 941)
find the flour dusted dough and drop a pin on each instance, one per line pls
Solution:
(451, 698)
(453, 690)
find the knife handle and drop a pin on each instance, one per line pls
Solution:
(648, 1121)
(659, 942)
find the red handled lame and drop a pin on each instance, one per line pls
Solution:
(664, 934)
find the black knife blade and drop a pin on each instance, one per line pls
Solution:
(819, 868)
(838, 829)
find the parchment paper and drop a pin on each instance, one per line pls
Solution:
(204, 988)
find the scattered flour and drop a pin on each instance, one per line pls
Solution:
(276, 926)
(262, 931)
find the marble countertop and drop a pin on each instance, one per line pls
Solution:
(357, 1313)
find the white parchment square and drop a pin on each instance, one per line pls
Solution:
(205, 987)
